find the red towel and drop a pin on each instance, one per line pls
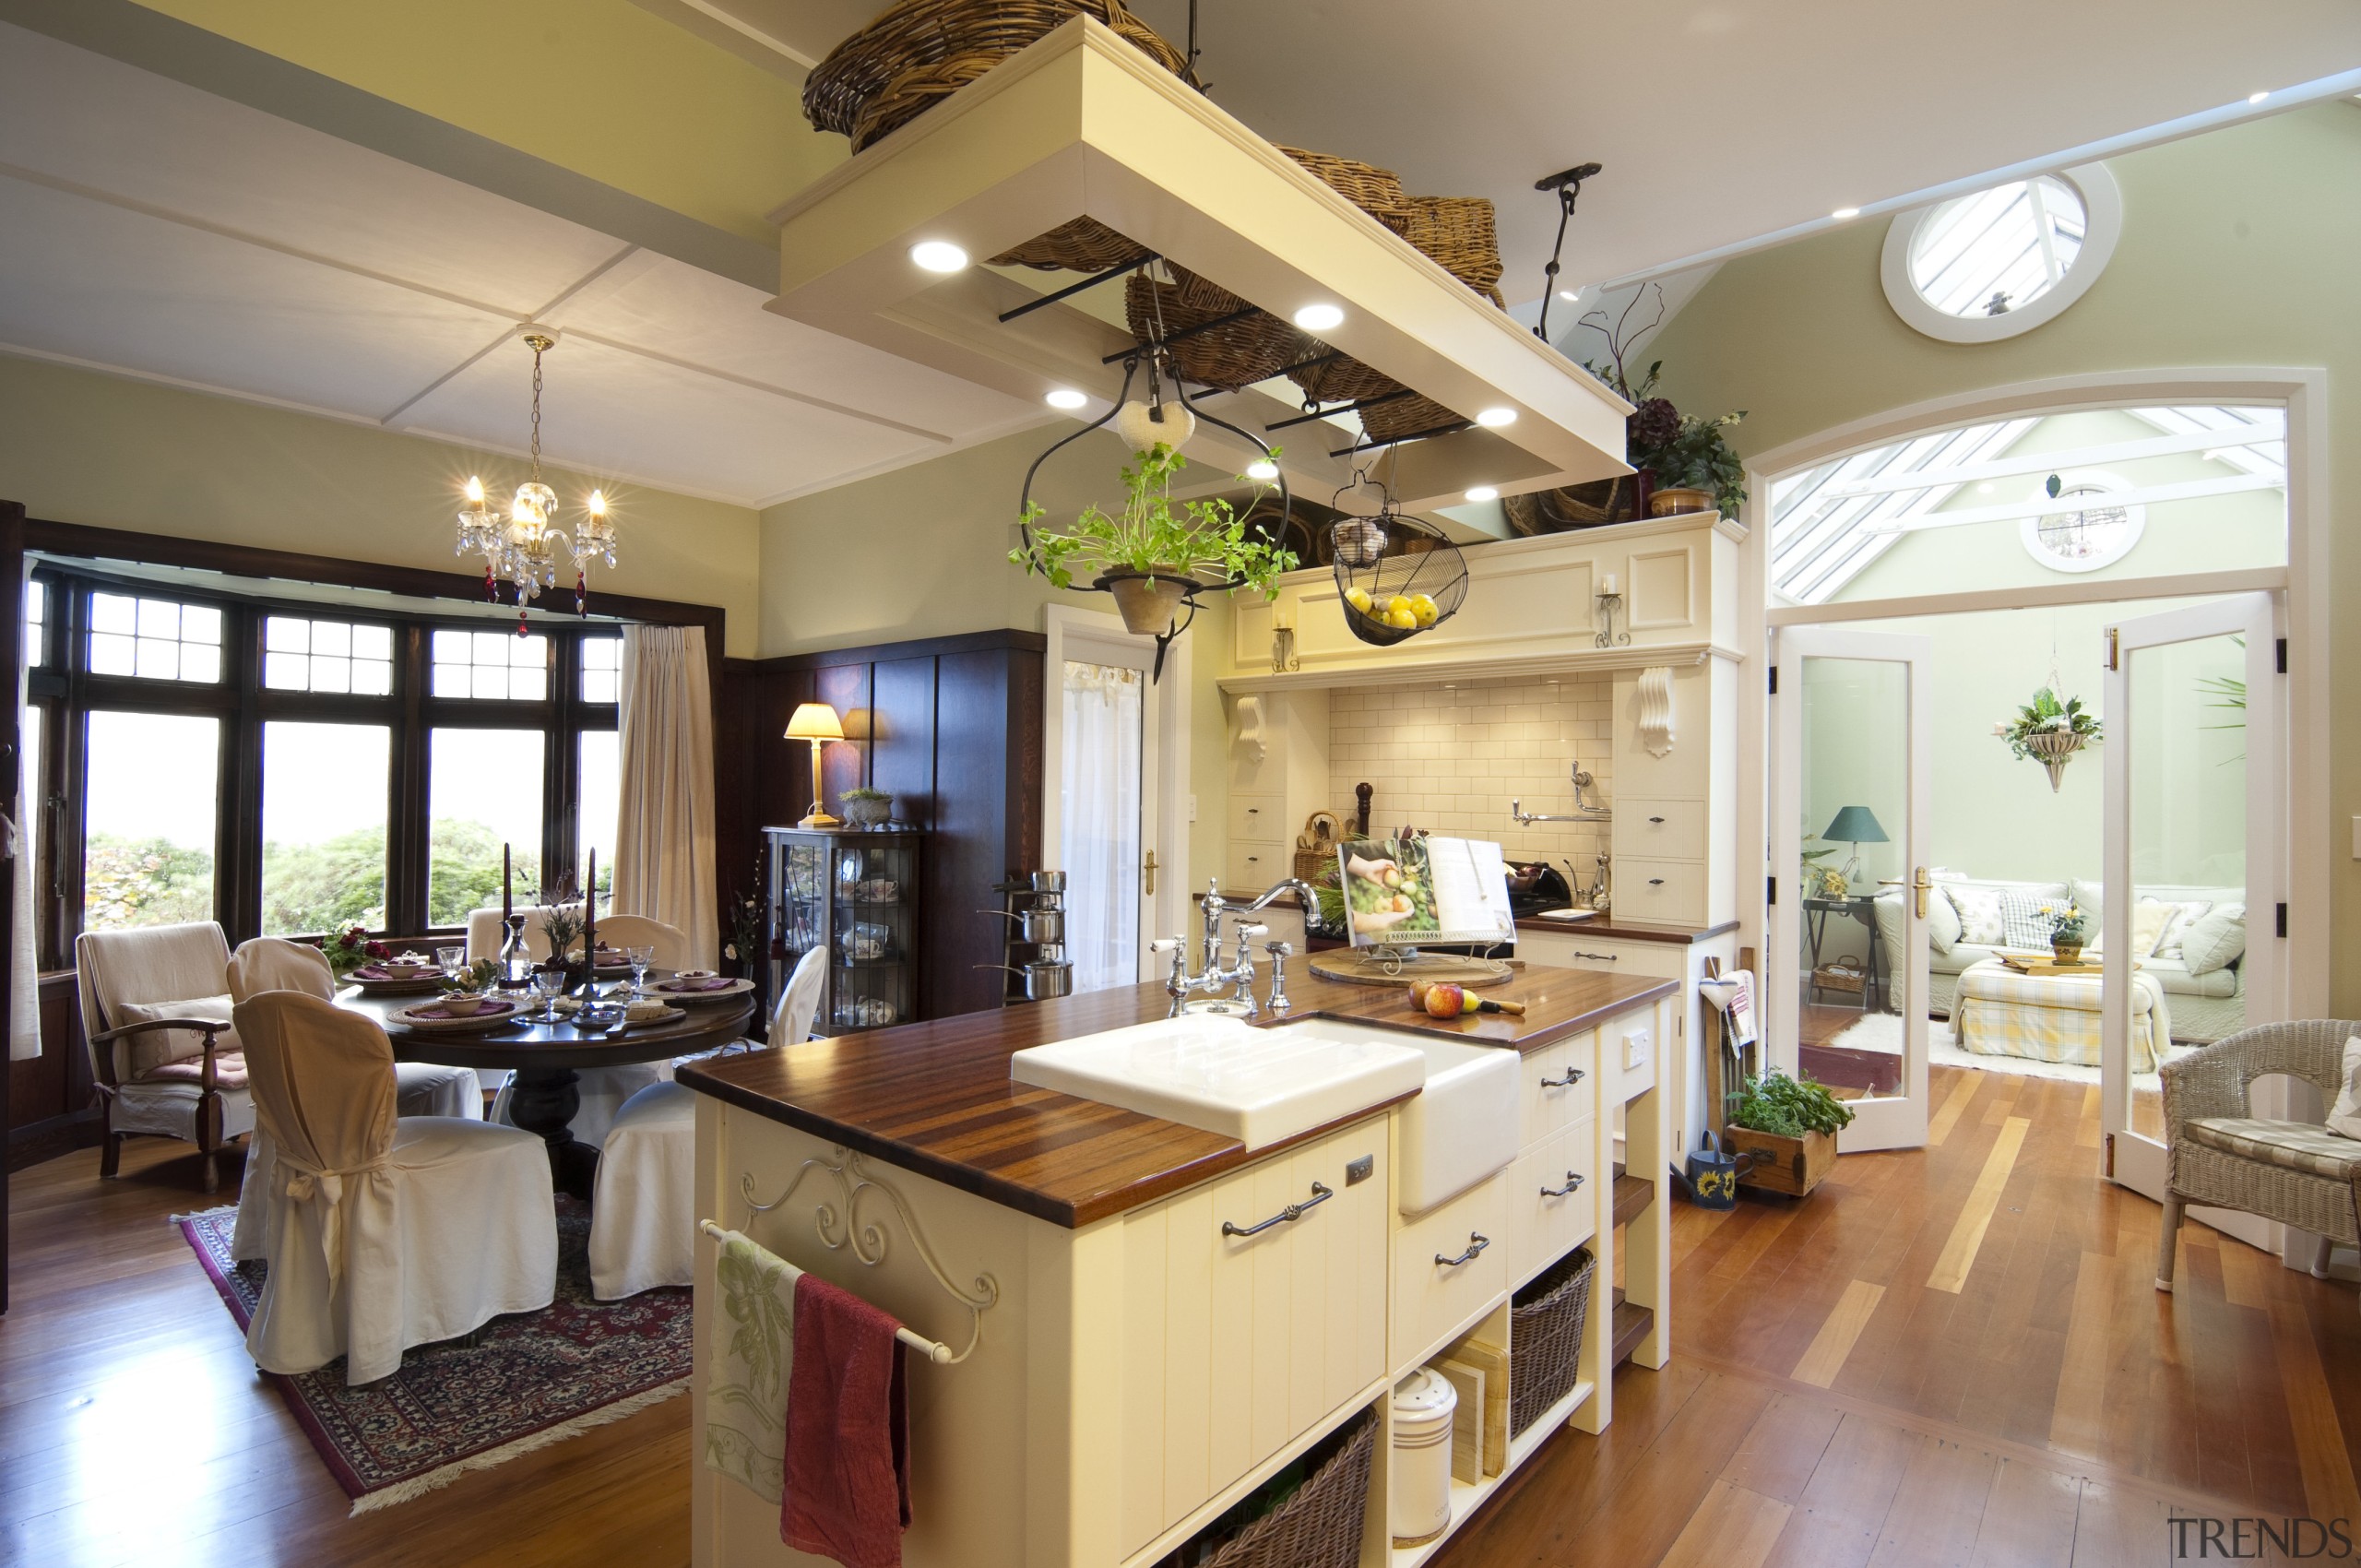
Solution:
(846, 1493)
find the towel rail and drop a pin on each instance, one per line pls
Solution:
(932, 1349)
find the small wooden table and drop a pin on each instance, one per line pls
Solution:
(546, 1056)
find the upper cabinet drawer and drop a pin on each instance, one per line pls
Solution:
(1666, 892)
(1258, 816)
(1559, 1086)
(1255, 863)
(1659, 829)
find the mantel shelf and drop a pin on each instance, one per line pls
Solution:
(1637, 655)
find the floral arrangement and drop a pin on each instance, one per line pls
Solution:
(477, 978)
(746, 929)
(1683, 451)
(1152, 535)
(2068, 924)
(2046, 715)
(562, 918)
(350, 948)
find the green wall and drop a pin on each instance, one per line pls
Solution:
(2237, 250)
(79, 446)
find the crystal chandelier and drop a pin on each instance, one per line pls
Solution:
(522, 549)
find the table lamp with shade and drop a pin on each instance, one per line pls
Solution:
(1856, 826)
(817, 722)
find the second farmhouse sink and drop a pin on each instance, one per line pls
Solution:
(1462, 1128)
(1224, 1076)
(1261, 1086)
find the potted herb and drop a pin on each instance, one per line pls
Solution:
(1787, 1127)
(2050, 730)
(2069, 929)
(865, 807)
(1155, 554)
(466, 992)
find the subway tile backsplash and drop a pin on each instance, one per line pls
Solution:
(1449, 760)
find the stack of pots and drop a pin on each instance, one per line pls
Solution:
(1037, 917)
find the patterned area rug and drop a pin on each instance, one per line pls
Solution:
(528, 1380)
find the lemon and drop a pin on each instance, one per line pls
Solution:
(1395, 605)
(1423, 607)
(1358, 598)
(1405, 617)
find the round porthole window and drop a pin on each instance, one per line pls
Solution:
(1981, 267)
(2082, 528)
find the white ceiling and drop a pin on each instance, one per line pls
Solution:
(154, 230)
(1720, 121)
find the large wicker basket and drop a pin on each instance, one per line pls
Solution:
(1545, 1322)
(1083, 246)
(1235, 354)
(1319, 1527)
(1375, 191)
(920, 52)
(1458, 232)
(1569, 507)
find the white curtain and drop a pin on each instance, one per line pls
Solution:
(1099, 813)
(664, 833)
(24, 955)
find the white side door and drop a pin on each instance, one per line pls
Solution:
(1850, 726)
(2194, 749)
(1101, 793)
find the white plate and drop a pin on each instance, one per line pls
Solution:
(1567, 914)
(736, 988)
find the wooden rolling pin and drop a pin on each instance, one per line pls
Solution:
(1442, 1000)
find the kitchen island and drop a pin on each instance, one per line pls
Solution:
(1125, 1369)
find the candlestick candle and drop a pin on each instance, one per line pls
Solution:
(590, 927)
(507, 889)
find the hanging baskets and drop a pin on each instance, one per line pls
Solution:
(920, 51)
(2053, 748)
(1391, 569)
(1229, 355)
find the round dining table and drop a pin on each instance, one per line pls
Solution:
(546, 1057)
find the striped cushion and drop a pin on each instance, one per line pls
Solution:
(2292, 1146)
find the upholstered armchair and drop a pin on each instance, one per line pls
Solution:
(2218, 1154)
(156, 1022)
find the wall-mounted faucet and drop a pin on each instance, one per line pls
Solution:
(1585, 811)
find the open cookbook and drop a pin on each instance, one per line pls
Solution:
(1404, 892)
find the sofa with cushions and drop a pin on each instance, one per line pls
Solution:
(2191, 940)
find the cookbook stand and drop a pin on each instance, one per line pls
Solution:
(1399, 965)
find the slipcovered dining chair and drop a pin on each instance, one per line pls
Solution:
(2220, 1154)
(421, 1088)
(671, 944)
(643, 1218)
(385, 1232)
(163, 1054)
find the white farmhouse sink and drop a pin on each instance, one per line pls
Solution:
(1463, 1128)
(1224, 1076)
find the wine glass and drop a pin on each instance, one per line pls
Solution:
(639, 958)
(451, 960)
(549, 984)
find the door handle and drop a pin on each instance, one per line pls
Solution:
(1922, 886)
(1148, 876)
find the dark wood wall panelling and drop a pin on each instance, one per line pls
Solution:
(953, 726)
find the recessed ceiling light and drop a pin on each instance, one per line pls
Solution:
(1573, 298)
(939, 255)
(1843, 212)
(1483, 492)
(2257, 97)
(1984, 488)
(1263, 468)
(1320, 318)
(1492, 418)
(1065, 398)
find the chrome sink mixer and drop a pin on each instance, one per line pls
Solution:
(1241, 972)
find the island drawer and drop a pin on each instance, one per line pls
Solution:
(1547, 1101)
(1447, 1263)
(1233, 1345)
(1545, 1221)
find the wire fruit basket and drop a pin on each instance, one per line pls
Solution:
(1396, 575)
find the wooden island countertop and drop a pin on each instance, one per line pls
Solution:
(936, 1098)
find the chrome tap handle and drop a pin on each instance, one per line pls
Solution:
(1246, 935)
(1279, 952)
(1176, 985)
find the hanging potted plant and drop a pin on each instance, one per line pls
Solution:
(2050, 730)
(1155, 555)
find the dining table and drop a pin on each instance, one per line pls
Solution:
(548, 1055)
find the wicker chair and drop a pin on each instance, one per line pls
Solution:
(2218, 1154)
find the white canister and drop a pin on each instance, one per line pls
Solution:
(1423, 1406)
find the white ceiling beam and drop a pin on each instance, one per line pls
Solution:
(2053, 462)
(2144, 495)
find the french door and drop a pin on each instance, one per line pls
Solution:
(2194, 751)
(1105, 721)
(1849, 788)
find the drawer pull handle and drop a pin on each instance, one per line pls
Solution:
(1655, 882)
(1475, 1243)
(1656, 822)
(1596, 957)
(1572, 1180)
(1320, 1194)
(1573, 1075)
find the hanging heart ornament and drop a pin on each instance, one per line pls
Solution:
(1140, 430)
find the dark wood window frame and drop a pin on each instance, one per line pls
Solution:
(63, 686)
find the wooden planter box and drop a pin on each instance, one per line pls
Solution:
(1794, 1166)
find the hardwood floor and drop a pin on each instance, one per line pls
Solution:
(1954, 1356)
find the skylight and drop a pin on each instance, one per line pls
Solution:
(1998, 250)
(1830, 522)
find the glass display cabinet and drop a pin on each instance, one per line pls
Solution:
(855, 892)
